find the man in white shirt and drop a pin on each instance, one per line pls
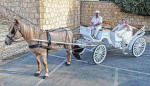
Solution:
(96, 23)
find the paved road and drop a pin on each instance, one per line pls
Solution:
(116, 70)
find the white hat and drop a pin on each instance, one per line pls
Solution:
(97, 11)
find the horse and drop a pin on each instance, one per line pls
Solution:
(21, 28)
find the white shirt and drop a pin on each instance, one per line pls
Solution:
(97, 20)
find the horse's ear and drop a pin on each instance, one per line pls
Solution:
(16, 21)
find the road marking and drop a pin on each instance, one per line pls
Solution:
(57, 56)
(111, 67)
(125, 69)
(57, 67)
(65, 57)
(54, 70)
(130, 55)
(147, 55)
(116, 77)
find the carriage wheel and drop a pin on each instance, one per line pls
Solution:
(139, 47)
(99, 54)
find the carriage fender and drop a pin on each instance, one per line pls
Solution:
(132, 42)
(136, 37)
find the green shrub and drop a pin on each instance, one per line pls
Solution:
(141, 7)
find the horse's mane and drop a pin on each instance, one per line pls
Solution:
(29, 30)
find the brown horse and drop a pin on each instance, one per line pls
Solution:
(22, 28)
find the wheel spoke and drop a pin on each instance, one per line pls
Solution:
(139, 47)
(99, 54)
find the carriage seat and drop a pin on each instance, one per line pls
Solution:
(138, 28)
(107, 25)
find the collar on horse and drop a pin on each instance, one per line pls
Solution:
(39, 45)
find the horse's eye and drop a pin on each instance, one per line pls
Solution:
(13, 31)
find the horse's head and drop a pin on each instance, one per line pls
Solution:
(14, 32)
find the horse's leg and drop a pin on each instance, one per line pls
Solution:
(44, 56)
(39, 65)
(69, 52)
(68, 57)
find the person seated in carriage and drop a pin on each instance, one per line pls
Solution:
(96, 23)
(124, 30)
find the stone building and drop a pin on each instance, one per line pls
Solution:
(51, 14)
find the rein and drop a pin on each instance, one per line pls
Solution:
(39, 46)
(54, 29)
(9, 37)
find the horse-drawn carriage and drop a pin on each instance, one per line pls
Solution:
(107, 40)
(41, 42)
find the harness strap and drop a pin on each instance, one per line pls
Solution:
(48, 37)
(34, 46)
(9, 37)
(39, 44)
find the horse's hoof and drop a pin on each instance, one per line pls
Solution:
(36, 74)
(45, 77)
(67, 64)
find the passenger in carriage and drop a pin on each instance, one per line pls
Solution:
(124, 31)
(120, 26)
(96, 23)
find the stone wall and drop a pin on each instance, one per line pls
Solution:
(134, 19)
(59, 13)
(28, 9)
(49, 14)
(110, 12)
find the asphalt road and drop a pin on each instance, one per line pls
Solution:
(116, 70)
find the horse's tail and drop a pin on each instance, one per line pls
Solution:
(76, 49)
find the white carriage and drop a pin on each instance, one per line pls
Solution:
(107, 40)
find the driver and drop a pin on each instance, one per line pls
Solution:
(96, 23)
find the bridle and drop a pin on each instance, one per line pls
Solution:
(10, 38)
(13, 34)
